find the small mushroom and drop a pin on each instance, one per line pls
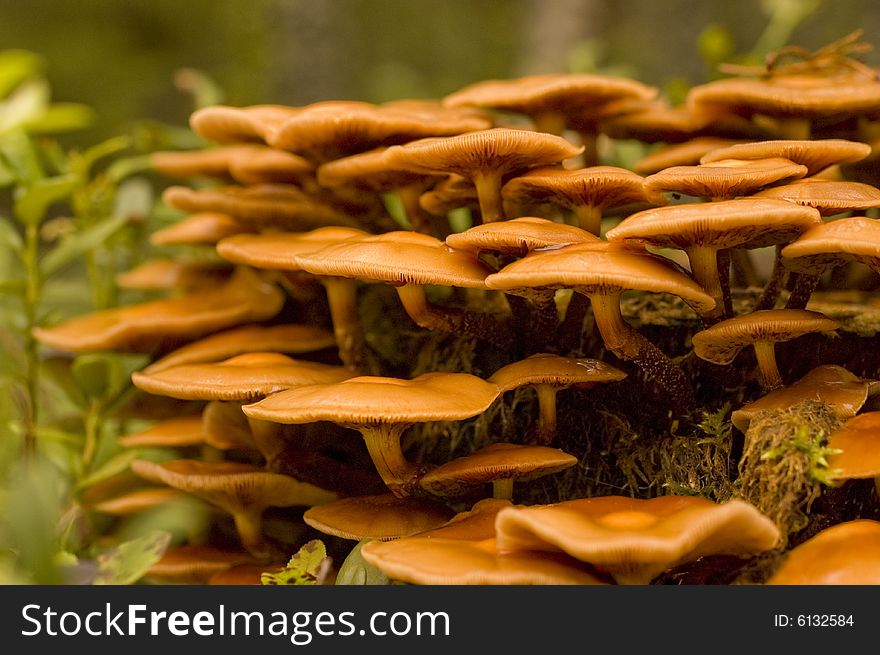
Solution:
(242, 490)
(135, 502)
(829, 197)
(726, 178)
(381, 409)
(499, 463)
(816, 155)
(680, 154)
(381, 517)
(548, 374)
(224, 124)
(635, 540)
(721, 343)
(844, 392)
(844, 554)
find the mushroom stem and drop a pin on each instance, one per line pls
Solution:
(342, 299)
(765, 353)
(547, 406)
(798, 129)
(488, 186)
(249, 526)
(589, 218)
(418, 219)
(267, 438)
(383, 445)
(482, 326)
(551, 122)
(704, 267)
(502, 489)
(629, 344)
(774, 284)
(804, 285)
(591, 148)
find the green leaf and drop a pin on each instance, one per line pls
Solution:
(27, 103)
(303, 568)
(87, 159)
(92, 374)
(7, 175)
(111, 467)
(79, 243)
(129, 562)
(355, 570)
(33, 201)
(21, 157)
(715, 45)
(128, 166)
(62, 117)
(15, 67)
(58, 371)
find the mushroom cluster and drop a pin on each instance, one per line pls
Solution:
(540, 303)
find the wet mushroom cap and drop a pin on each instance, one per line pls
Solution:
(722, 224)
(833, 243)
(382, 517)
(373, 400)
(725, 178)
(279, 250)
(842, 391)
(845, 554)
(816, 155)
(829, 197)
(245, 298)
(170, 433)
(633, 539)
(463, 551)
(546, 368)
(858, 441)
(588, 267)
(289, 339)
(518, 236)
(722, 342)
(243, 377)
(203, 228)
(495, 462)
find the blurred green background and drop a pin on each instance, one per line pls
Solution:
(120, 56)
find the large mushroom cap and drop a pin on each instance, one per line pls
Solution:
(816, 155)
(381, 517)
(500, 461)
(842, 391)
(722, 342)
(546, 368)
(246, 297)
(290, 339)
(397, 258)
(726, 178)
(635, 540)
(855, 448)
(746, 222)
(830, 244)
(518, 236)
(370, 400)
(680, 154)
(828, 196)
(243, 377)
(279, 250)
(844, 554)
(463, 552)
(587, 267)
(203, 228)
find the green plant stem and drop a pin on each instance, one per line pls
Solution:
(31, 307)
(92, 424)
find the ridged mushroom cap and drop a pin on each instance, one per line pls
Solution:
(382, 517)
(142, 328)
(243, 377)
(201, 228)
(726, 178)
(397, 258)
(499, 461)
(687, 153)
(829, 197)
(546, 368)
(593, 268)
(518, 236)
(844, 554)
(745, 222)
(816, 155)
(722, 342)
(374, 400)
(498, 149)
(834, 243)
(634, 540)
(842, 391)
